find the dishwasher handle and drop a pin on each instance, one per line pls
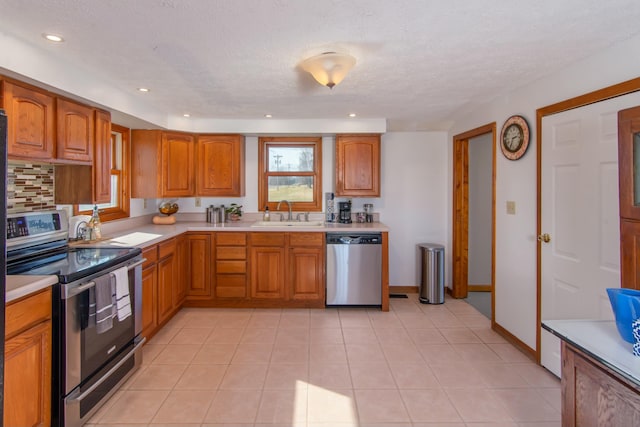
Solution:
(354, 239)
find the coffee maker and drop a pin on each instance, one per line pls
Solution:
(344, 215)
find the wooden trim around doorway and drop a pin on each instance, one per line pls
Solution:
(608, 92)
(460, 222)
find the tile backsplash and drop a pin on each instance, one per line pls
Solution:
(29, 187)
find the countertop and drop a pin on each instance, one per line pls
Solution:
(151, 234)
(23, 285)
(600, 340)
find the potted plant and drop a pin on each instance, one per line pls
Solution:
(234, 212)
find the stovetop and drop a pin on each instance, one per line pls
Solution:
(71, 264)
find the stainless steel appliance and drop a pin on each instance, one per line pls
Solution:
(87, 365)
(354, 269)
(344, 214)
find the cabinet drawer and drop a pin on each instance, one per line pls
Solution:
(231, 239)
(306, 239)
(267, 239)
(231, 286)
(231, 267)
(231, 252)
(150, 254)
(166, 248)
(23, 314)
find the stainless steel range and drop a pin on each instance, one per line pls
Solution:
(92, 354)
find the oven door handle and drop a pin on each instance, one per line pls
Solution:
(106, 376)
(91, 284)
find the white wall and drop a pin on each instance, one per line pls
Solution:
(515, 279)
(480, 207)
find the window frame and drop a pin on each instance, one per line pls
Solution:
(263, 171)
(123, 208)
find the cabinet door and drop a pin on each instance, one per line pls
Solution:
(267, 272)
(75, 131)
(102, 158)
(220, 166)
(358, 165)
(630, 254)
(149, 297)
(178, 165)
(182, 271)
(306, 274)
(199, 266)
(166, 278)
(629, 162)
(27, 377)
(31, 122)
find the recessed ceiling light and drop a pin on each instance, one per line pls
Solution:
(268, 116)
(186, 115)
(352, 114)
(53, 38)
(143, 89)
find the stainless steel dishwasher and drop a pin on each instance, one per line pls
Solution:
(354, 269)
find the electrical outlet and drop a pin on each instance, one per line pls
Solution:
(198, 202)
(144, 203)
(511, 207)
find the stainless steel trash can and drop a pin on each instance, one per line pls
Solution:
(432, 283)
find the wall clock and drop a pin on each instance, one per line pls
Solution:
(514, 138)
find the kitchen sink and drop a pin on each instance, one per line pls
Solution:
(288, 224)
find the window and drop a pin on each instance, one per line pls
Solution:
(290, 169)
(118, 207)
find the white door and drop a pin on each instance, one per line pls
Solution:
(580, 213)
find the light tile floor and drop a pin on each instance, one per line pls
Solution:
(417, 365)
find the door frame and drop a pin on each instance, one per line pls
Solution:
(599, 95)
(460, 220)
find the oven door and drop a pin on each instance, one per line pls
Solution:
(95, 363)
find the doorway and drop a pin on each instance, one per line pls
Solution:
(473, 168)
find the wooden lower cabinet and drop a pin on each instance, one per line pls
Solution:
(267, 272)
(306, 274)
(167, 274)
(149, 292)
(182, 279)
(230, 255)
(27, 364)
(593, 395)
(197, 268)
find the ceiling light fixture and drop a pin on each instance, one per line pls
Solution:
(329, 68)
(186, 115)
(352, 114)
(143, 89)
(268, 116)
(53, 38)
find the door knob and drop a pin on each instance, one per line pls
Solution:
(544, 238)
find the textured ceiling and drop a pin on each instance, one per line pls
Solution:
(418, 62)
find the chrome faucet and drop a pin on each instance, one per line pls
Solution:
(81, 231)
(290, 217)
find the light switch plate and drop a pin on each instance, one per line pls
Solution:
(198, 202)
(511, 207)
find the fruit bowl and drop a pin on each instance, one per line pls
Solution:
(168, 208)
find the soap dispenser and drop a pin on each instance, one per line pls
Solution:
(266, 216)
(94, 224)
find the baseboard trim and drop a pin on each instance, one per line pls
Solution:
(403, 289)
(479, 288)
(528, 351)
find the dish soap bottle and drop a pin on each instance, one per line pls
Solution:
(266, 216)
(94, 224)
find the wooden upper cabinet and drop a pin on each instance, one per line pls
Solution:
(31, 122)
(162, 164)
(358, 165)
(76, 131)
(220, 166)
(629, 162)
(102, 158)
